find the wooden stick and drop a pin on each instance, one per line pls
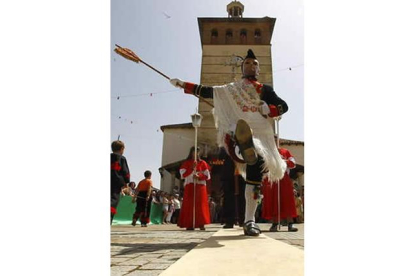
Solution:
(204, 100)
(155, 70)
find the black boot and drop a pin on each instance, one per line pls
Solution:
(251, 229)
(228, 225)
(273, 228)
(291, 228)
(134, 219)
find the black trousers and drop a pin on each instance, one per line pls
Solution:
(234, 205)
(175, 215)
(254, 172)
(115, 197)
(143, 207)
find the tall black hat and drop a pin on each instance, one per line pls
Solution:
(250, 54)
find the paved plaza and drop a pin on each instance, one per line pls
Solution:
(151, 250)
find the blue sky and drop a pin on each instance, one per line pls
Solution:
(165, 34)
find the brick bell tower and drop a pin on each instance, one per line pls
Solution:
(225, 42)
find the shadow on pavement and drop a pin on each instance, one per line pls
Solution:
(213, 242)
(152, 247)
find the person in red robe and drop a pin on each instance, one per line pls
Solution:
(270, 203)
(194, 173)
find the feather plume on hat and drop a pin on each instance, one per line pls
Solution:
(250, 54)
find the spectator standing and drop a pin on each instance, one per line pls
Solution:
(165, 206)
(170, 209)
(156, 208)
(177, 208)
(212, 206)
(119, 174)
(143, 195)
(129, 190)
(302, 196)
(299, 207)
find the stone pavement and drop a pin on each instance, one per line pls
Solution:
(151, 250)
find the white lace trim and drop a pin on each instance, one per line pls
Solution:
(239, 100)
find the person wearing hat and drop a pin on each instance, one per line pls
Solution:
(244, 112)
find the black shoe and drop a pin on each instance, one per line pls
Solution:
(190, 229)
(228, 225)
(291, 228)
(244, 139)
(273, 228)
(251, 229)
(134, 222)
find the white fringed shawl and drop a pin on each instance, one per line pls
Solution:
(229, 102)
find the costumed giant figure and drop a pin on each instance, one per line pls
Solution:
(243, 113)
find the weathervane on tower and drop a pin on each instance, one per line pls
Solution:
(234, 61)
